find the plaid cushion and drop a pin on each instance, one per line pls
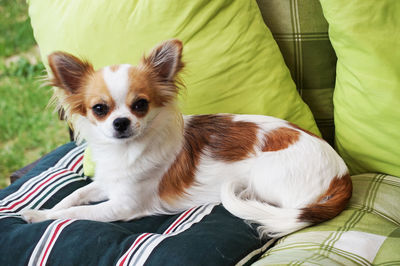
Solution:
(367, 232)
(301, 32)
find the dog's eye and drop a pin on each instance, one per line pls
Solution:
(100, 109)
(140, 106)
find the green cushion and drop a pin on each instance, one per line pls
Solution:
(365, 35)
(233, 62)
(367, 232)
(301, 32)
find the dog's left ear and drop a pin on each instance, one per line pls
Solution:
(165, 59)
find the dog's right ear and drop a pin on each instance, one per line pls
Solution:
(69, 72)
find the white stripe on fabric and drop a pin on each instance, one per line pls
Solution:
(55, 176)
(181, 220)
(141, 256)
(139, 252)
(178, 220)
(75, 151)
(40, 188)
(294, 6)
(62, 163)
(53, 190)
(46, 243)
(36, 195)
(123, 261)
(363, 244)
(192, 218)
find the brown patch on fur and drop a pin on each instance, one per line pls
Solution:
(70, 74)
(331, 203)
(230, 141)
(96, 92)
(280, 138)
(217, 135)
(181, 173)
(304, 130)
(142, 85)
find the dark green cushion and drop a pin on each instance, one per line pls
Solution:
(205, 235)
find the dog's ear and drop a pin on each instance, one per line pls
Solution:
(165, 59)
(69, 71)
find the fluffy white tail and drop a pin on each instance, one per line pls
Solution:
(275, 221)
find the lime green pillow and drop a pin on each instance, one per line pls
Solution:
(233, 64)
(366, 37)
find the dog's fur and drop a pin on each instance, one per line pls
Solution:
(157, 161)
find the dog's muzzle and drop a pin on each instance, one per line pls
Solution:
(122, 128)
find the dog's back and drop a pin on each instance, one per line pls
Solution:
(262, 169)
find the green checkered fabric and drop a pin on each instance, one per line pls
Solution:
(301, 32)
(367, 232)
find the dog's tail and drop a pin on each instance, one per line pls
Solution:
(276, 221)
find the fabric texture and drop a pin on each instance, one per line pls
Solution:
(233, 63)
(366, 233)
(203, 235)
(301, 32)
(365, 35)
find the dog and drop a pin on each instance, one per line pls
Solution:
(150, 159)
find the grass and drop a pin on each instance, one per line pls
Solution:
(15, 28)
(28, 129)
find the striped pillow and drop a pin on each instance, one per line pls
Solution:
(203, 235)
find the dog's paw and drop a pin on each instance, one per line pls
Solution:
(34, 216)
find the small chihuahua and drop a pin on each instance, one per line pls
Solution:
(150, 159)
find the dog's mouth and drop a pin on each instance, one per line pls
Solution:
(123, 135)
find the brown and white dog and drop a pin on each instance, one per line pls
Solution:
(150, 159)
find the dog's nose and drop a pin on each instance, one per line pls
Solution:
(121, 124)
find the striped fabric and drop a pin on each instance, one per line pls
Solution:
(142, 247)
(301, 32)
(367, 233)
(203, 235)
(37, 190)
(43, 248)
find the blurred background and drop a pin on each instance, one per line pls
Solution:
(28, 128)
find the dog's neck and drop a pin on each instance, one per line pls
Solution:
(156, 147)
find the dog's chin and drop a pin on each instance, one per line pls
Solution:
(124, 137)
(116, 138)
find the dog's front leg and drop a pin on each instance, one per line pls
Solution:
(108, 211)
(87, 194)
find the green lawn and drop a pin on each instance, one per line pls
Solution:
(28, 129)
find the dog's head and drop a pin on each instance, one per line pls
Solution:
(119, 101)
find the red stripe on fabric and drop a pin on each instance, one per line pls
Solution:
(32, 192)
(180, 219)
(76, 163)
(132, 247)
(52, 239)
